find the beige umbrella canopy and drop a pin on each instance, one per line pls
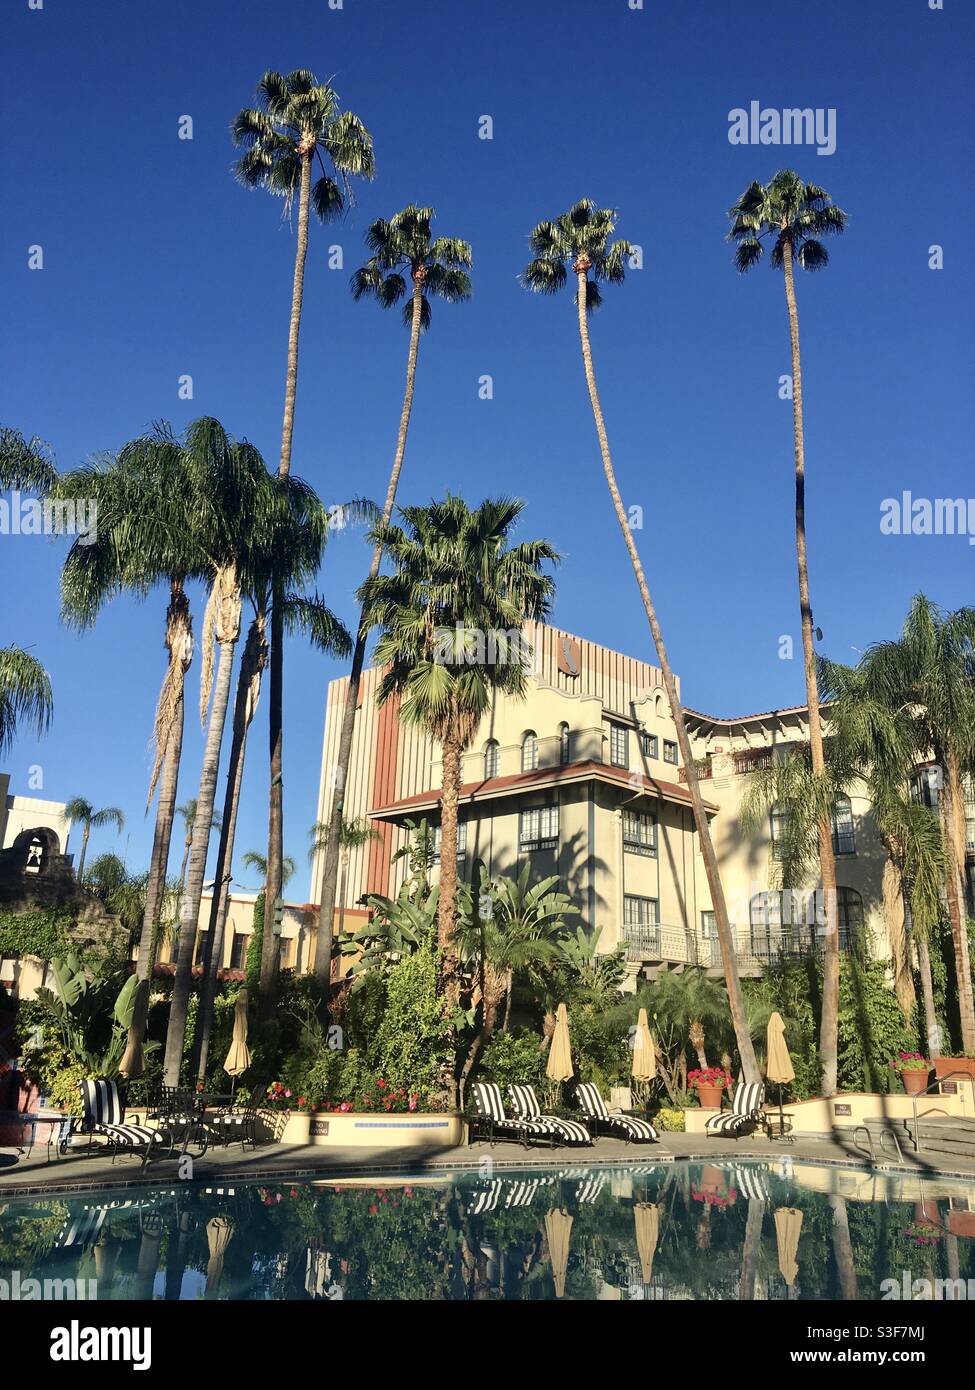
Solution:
(788, 1224)
(646, 1218)
(219, 1231)
(644, 1066)
(779, 1064)
(558, 1231)
(238, 1059)
(559, 1067)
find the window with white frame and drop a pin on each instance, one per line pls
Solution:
(844, 839)
(640, 832)
(538, 827)
(639, 912)
(779, 828)
(529, 752)
(649, 745)
(461, 841)
(619, 745)
(670, 751)
(709, 929)
(492, 759)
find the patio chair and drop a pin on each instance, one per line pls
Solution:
(745, 1113)
(524, 1103)
(599, 1120)
(104, 1114)
(491, 1123)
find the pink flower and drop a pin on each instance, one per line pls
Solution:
(381, 1084)
(412, 1102)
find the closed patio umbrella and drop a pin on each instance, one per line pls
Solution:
(559, 1066)
(646, 1218)
(558, 1231)
(219, 1231)
(788, 1225)
(644, 1066)
(238, 1059)
(778, 1065)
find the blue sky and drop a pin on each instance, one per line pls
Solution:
(157, 264)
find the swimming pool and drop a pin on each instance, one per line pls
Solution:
(781, 1230)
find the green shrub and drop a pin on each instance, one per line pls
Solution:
(513, 1057)
(42, 932)
(872, 1029)
(669, 1121)
(412, 1045)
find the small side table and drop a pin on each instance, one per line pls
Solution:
(779, 1127)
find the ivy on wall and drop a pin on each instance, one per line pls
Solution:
(43, 932)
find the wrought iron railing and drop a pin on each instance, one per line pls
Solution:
(757, 947)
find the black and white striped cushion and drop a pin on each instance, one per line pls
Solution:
(725, 1120)
(524, 1102)
(487, 1100)
(133, 1136)
(590, 1101)
(590, 1188)
(102, 1102)
(635, 1127)
(751, 1183)
(487, 1199)
(747, 1099)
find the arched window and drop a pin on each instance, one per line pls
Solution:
(563, 744)
(849, 912)
(529, 751)
(492, 759)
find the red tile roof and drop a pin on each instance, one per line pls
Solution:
(495, 787)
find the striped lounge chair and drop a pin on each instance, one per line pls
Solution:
(524, 1103)
(600, 1121)
(104, 1114)
(490, 1122)
(745, 1113)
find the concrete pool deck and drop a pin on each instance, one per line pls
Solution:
(274, 1162)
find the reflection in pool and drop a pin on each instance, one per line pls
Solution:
(678, 1230)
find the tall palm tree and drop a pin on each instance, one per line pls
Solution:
(930, 669)
(234, 500)
(81, 810)
(580, 239)
(296, 122)
(455, 580)
(25, 463)
(795, 215)
(353, 834)
(292, 544)
(436, 266)
(25, 694)
(142, 539)
(187, 812)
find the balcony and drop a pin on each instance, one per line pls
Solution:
(755, 947)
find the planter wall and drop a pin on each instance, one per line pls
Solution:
(945, 1065)
(353, 1130)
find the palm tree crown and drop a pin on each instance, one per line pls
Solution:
(579, 239)
(404, 245)
(789, 211)
(25, 694)
(454, 578)
(298, 116)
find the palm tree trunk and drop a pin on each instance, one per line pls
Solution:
(447, 901)
(827, 863)
(178, 643)
(275, 818)
(326, 912)
(84, 850)
(932, 1029)
(343, 889)
(843, 1251)
(746, 1051)
(509, 989)
(949, 801)
(751, 1248)
(227, 632)
(248, 689)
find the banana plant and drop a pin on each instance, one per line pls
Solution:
(91, 1013)
(400, 926)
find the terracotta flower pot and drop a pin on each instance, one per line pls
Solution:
(914, 1082)
(709, 1097)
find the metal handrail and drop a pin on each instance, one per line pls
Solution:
(937, 1082)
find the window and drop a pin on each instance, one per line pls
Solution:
(639, 912)
(619, 745)
(529, 752)
(640, 833)
(924, 786)
(709, 930)
(850, 910)
(539, 827)
(844, 841)
(670, 751)
(563, 744)
(288, 953)
(199, 948)
(649, 745)
(778, 825)
(238, 951)
(492, 759)
(461, 841)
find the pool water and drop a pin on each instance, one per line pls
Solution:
(781, 1230)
